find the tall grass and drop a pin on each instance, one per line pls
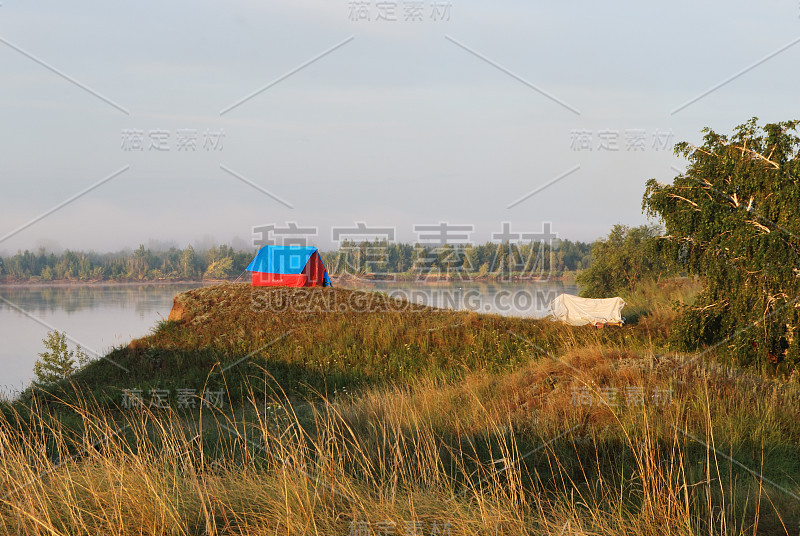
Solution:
(658, 301)
(456, 457)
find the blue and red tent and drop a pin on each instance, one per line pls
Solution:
(288, 266)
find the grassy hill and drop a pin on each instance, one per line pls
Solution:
(344, 411)
(322, 340)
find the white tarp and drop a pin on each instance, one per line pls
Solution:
(579, 311)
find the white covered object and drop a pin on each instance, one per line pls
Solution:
(578, 311)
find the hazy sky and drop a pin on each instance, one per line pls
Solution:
(452, 118)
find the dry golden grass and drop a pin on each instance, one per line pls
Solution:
(504, 454)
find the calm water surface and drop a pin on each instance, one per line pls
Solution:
(102, 317)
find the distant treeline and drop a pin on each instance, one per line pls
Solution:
(365, 258)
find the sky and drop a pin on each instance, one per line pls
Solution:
(194, 122)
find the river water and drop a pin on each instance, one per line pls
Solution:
(100, 317)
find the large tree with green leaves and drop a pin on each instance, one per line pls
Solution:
(733, 218)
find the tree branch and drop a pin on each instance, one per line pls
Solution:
(762, 227)
(757, 154)
(684, 199)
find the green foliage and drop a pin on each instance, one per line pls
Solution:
(188, 268)
(219, 269)
(621, 261)
(733, 218)
(57, 362)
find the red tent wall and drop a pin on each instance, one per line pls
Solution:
(261, 279)
(315, 271)
(311, 276)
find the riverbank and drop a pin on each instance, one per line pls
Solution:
(331, 409)
(102, 283)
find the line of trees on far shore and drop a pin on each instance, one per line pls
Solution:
(224, 262)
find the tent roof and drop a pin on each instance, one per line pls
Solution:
(281, 259)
